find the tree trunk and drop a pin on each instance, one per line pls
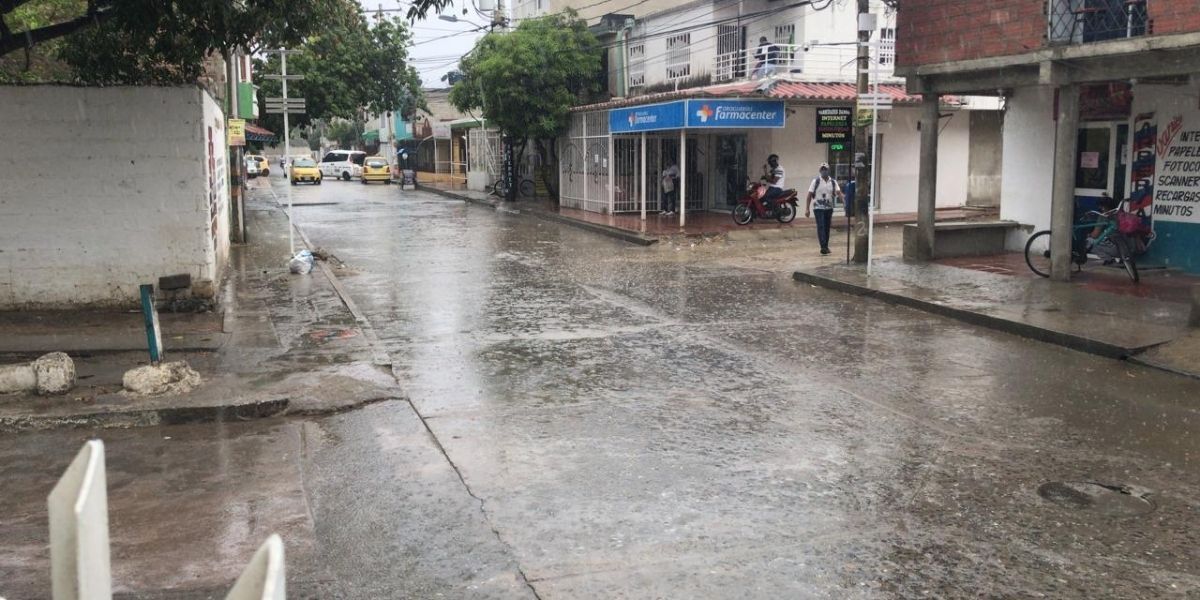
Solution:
(548, 174)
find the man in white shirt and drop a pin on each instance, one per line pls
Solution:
(823, 190)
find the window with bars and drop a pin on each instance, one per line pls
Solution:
(679, 56)
(637, 65)
(887, 46)
(785, 34)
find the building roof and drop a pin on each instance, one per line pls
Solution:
(781, 89)
(254, 133)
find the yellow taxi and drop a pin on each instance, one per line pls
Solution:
(376, 168)
(304, 169)
(264, 168)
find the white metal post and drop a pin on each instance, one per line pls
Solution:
(79, 549)
(874, 164)
(682, 200)
(586, 158)
(642, 180)
(612, 168)
(287, 147)
(264, 578)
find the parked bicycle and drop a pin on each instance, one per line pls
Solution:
(1110, 246)
(525, 188)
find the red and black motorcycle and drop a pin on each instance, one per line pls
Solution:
(750, 206)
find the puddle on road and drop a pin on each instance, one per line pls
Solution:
(1099, 498)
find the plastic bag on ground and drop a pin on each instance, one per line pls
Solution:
(301, 263)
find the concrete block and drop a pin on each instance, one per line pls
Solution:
(150, 380)
(55, 373)
(52, 373)
(175, 282)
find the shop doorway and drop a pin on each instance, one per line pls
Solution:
(731, 170)
(1101, 163)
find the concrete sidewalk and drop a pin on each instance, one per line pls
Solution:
(701, 224)
(1107, 324)
(284, 344)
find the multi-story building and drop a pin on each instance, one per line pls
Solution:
(1100, 99)
(667, 65)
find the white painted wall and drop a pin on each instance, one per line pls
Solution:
(801, 157)
(901, 160)
(107, 188)
(1028, 177)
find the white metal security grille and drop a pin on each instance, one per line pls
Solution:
(637, 65)
(679, 56)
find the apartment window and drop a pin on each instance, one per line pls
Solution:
(785, 34)
(887, 46)
(679, 56)
(637, 65)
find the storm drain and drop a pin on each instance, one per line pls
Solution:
(1101, 498)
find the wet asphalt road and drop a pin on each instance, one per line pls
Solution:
(658, 424)
(590, 419)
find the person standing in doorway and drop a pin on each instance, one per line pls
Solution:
(670, 185)
(821, 195)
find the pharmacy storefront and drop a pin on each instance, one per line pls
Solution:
(611, 161)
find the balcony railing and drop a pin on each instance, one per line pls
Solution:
(1085, 21)
(818, 63)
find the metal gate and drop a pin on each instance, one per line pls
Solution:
(583, 172)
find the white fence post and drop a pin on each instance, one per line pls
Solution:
(264, 577)
(78, 506)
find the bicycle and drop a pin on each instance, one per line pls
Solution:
(1039, 259)
(525, 188)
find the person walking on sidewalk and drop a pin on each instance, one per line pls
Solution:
(670, 183)
(823, 190)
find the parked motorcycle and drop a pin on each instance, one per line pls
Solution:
(750, 206)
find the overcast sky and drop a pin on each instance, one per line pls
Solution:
(437, 44)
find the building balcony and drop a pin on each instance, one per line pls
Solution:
(1086, 21)
(797, 62)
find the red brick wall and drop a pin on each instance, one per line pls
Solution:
(1174, 16)
(937, 31)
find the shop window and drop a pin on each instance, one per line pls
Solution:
(1092, 164)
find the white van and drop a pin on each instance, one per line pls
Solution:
(342, 164)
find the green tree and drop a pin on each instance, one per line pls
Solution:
(350, 65)
(526, 81)
(153, 41)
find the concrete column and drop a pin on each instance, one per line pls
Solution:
(1062, 203)
(682, 201)
(927, 178)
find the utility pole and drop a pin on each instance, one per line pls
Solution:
(862, 141)
(237, 163)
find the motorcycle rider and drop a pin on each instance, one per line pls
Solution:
(773, 175)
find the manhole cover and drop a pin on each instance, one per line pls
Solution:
(1101, 498)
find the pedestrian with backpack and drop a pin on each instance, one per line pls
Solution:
(821, 195)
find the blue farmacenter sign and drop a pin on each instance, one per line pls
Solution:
(699, 114)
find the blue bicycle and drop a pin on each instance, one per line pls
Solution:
(1121, 247)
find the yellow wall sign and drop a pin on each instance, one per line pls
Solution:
(237, 132)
